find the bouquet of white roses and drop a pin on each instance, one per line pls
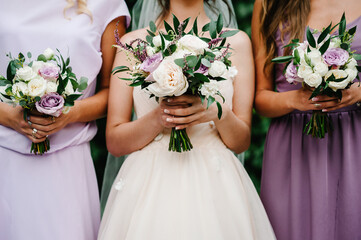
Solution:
(324, 63)
(175, 63)
(46, 85)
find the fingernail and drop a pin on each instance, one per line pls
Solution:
(169, 120)
(324, 110)
(166, 111)
(177, 128)
(314, 99)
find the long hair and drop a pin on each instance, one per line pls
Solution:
(165, 8)
(288, 16)
(82, 8)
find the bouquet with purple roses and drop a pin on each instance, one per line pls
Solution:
(325, 64)
(46, 85)
(178, 62)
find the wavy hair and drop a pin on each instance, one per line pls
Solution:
(288, 16)
(82, 8)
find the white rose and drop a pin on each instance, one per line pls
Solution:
(193, 44)
(51, 87)
(315, 56)
(210, 88)
(37, 87)
(313, 80)
(352, 63)
(150, 51)
(48, 53)
(231, 73)
(157, 41)
(169, 80)
(321, 68)
(304, 70)
(335, 43)
(20, 87)
(338, 75)
(217, 69)
(352, 74)
(37, 65)
(25, 73)
(69, 89)
(217, 53)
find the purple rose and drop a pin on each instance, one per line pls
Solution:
(49, 72)
(336, 56)
(51, 104)
(151, 63)
(291, 74)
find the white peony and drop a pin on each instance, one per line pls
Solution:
(69, 89)
(321, 68)
(217, 69)
(51, 87)
(37, 65)
(210, 88)
(304, 70)
(37, 87)
(169, 80)
(193, 44)
(20, 87)
(25, 73)
(230, 73)
(338, 75)
(48, 53)
(313, 80)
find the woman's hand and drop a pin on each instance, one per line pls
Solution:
(301, 101)
(185, 111)
(349, 97)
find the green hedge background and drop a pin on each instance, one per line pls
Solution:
(253, 156)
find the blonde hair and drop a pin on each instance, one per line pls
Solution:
(82, 8)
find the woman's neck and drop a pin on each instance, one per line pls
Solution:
(184, 9)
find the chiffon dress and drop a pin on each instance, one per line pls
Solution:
(203, 194)
(311, 187)
(53, 196)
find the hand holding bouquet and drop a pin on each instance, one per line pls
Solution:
(176, 63)
(325, 64)
(46, 85)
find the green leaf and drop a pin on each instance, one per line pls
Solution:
(282, 59)
(37, 99)
(11, 70)
(42, 58)
(324, 34)
(325, 46)
(152, 26)
(352, 30)
(168, 28)
(357, 56)
(344, 46)
(191, 61)
(210, 101)
(205, 62)
(195, 27)
(205, 28)
(185, 23)
(4, 82)
(219, 23)
(72, 97)
(219, 106)
(175, 23)
(163, 42)
(180, 62)
(29, 54)
(120, 69)
(297, 58)
(149, 39)
(213, 29)
(83, 84)
(342, 27)
(67, 62)
(230, 33)
(22, 103)
(150, 34)
(310, 38)
(135, 84)
(201, 77)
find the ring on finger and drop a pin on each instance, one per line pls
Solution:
(29, 123)
(53, 119)
(34, 132)
(317, 105)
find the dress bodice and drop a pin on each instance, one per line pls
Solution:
(203, 134)
(281, 84)
(33, 26)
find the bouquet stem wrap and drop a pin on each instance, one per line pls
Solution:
(179, 141)
(319, 124)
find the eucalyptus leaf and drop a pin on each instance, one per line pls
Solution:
(152, 26)
(191, 61)
(205, 62)
(230, 33)
(180, 62)
(357, 56)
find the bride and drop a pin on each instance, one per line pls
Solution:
(201, 194)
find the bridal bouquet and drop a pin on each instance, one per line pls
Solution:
(325, 64)
(176, 63)
(46, 85)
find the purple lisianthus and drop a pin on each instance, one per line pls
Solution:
(336, 56)
(151, 63)
(49, 72)
(291, 74)
(202, 69)
(50, 104)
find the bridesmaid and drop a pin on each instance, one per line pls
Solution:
(55, 196)
(310, 187)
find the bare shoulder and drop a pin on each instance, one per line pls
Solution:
(240, 40)
(139, 33)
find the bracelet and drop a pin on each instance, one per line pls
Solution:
(358, 104)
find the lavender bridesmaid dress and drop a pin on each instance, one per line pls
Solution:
(54, 196)
(311, 187)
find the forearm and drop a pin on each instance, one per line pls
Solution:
(235, 132)
(274, 104)
(6, 111)
(128, 137)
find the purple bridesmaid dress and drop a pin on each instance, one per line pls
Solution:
(311, 188)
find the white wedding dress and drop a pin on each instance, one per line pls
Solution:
(204, 194)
